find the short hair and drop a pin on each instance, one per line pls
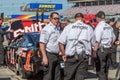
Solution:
(51, 15)
(112, 20)
(101, 15)
(66, 19)
(78, 15)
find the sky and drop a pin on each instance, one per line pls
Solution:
(10, 7)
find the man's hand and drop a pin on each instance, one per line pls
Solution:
(44, 56)
(117, 42)
(11, 31)
(94, 52)
(45, 60)
(95, 48)
(64, 57)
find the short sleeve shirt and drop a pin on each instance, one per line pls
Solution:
(104, 34)
(49, 36)
(76, 37)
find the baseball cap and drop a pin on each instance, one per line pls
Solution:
(1, 15)
(78, 15)
(101, 15)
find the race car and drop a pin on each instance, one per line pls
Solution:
(24, 55)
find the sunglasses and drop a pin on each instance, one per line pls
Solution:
(56, 18)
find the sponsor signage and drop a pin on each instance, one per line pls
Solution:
(25, 26)
(41, 6)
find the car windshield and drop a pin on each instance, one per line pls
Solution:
(27, 41)
(35, 37)
(30, 39)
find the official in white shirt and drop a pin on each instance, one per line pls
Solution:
(75, 46)
(104, 36)
(49, 47)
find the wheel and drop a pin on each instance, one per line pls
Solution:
(20, 67)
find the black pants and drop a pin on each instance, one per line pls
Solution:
(1, 53)
(54, 68)
(102, 64)
(113, 54)
(75, 70)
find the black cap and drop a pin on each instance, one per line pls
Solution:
(1, 15)
(101, 15)
(79, 15)
(112, 20)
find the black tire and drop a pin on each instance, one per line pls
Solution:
(21, 70)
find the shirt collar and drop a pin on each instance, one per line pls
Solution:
(53, 26)
(102, 22)
(79, 21)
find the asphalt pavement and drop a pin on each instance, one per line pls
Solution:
(7, 74)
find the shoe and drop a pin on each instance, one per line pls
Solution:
(2, 65)
(115, 66)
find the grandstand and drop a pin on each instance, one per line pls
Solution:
(110, 7)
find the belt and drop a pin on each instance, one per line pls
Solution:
(70, 56)
(52, 53)
(105, 47)
(102, 49)
(78, 55)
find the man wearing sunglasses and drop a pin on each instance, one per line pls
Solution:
(49, 47)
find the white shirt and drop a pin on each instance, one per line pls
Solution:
(49, 35)
(104, 34)
(76, 37)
